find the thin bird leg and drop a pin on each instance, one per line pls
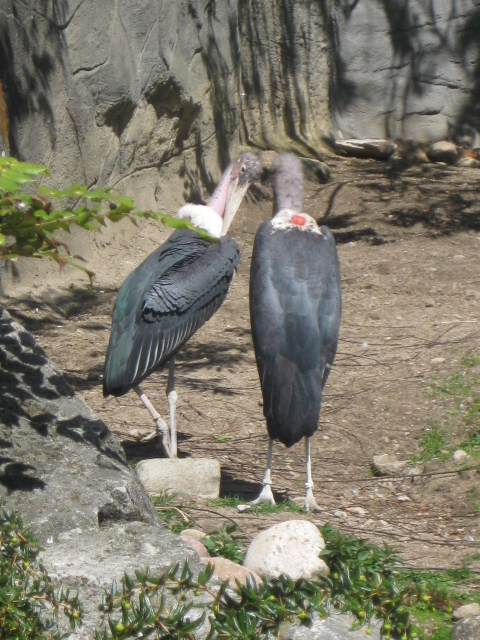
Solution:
(172, 403)
(162, 428)
(310, 503)
(266, 494)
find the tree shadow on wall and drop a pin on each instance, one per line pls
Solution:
(30, 51)
(29, 392)
(469, 46)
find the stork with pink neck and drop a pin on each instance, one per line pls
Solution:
(172, 293)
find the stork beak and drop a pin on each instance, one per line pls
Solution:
(236, 192)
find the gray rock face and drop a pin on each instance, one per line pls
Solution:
(151, 96)
(405, 70)
(467, 629)
(54, 446)
(335, 627)
(89, 560)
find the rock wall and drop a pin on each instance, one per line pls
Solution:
(153, 96)
(407, 69)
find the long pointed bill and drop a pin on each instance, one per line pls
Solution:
(235, 195)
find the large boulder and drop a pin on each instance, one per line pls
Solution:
(66, 475)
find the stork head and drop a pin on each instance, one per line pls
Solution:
(218, 214)
(241, 174)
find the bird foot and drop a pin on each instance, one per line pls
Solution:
(310, 502)
(150, 436)
(266, 495)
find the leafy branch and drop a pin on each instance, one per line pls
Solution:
(28, 222)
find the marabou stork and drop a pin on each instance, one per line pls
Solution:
(295, 311)
(173, 293)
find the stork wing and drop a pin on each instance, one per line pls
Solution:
(163, 302)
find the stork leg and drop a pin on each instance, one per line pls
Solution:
(162, 428)
(266, 494)
(310, 503)
(172, 404)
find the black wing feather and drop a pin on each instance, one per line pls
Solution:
(163, 302)
(295, 307)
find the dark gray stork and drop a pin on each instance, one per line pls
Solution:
(173, 293)
(295, 311)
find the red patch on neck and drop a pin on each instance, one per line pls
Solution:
(300, 220)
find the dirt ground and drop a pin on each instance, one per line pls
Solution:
(409, 240)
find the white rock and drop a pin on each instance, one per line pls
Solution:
(241, 508)
(290, 547)
(437, 360)
(460, 455)
(387, 465)
(359, 511)
(466, 611)
(186, 476)
(443, 151)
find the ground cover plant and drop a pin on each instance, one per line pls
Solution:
(29, 604)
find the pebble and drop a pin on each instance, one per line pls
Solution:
(360, 511)
(290, 547)
(197, 546)
(437, 360)
(459, 455)
(196, 534)
(241, 508)
(386, 464)
(443, 151)
(225, 569)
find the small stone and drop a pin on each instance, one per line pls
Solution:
(197, 546)
(386, 464)
(459, 256)
(290, 547)
(471, 163)
(429, 302)
(185, 476)
(338, 513)
(225, 569)
(241, 508)
(437, 360)
(466, 611)
(360, 511)
(415, 471)
(196, 534)
(403, 498)
(459, 455)
(443, 151)
(93, 376)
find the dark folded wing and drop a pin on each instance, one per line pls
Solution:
(295, 304)
(163, 302)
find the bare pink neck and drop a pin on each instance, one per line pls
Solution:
(219, 197)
